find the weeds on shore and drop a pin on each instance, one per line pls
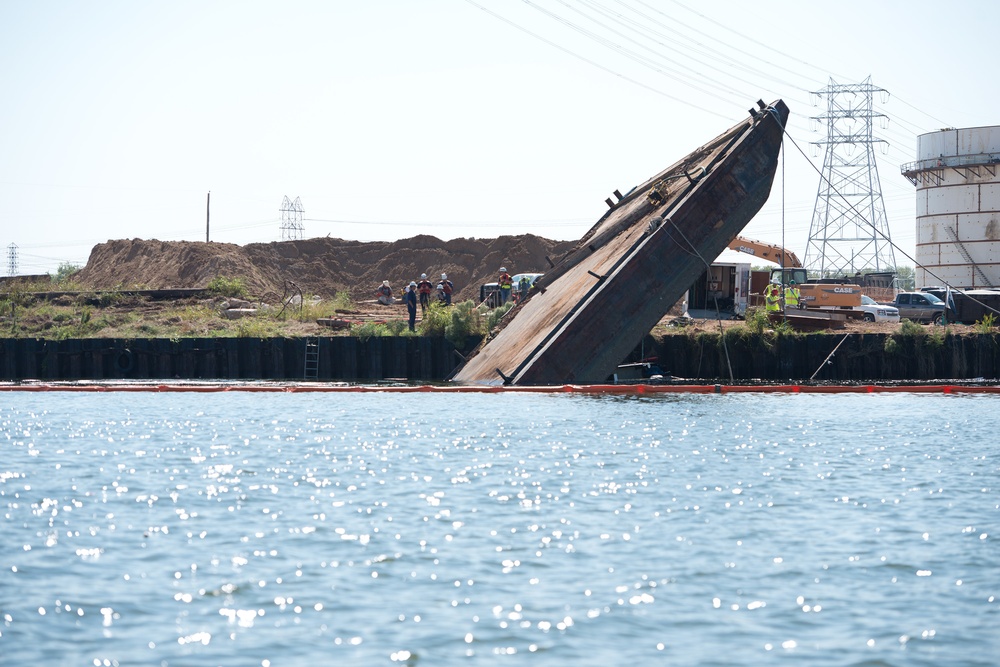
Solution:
(391, 328)
(987, 324)
(456, 323)
(932, 338)
(759, 326)
(342, 301)
(230, 287)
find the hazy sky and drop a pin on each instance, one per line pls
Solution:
(391, 118)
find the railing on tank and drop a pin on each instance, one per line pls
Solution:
(942, 161)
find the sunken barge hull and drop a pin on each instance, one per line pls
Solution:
(592, 309)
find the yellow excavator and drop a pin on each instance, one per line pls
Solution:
(821, 295)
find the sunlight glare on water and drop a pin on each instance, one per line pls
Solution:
(551, 529)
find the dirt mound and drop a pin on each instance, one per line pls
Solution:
(320, 266)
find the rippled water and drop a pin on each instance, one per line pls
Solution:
(308, 529)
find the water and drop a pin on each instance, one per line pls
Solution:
(432, 529)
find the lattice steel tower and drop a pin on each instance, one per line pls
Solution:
(849, 231)
(12, 259)
(291, 219)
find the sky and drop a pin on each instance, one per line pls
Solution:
(453, 118)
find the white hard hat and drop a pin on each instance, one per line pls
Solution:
(423, 275)
(413, 284)
(503, 269)
(385, 282)
(444, 276)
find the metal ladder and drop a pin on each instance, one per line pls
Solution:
(968, 258)
(311, 371)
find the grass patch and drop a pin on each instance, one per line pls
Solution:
(257, 327)
(342, 301)
(310, 310)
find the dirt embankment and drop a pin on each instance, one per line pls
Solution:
(321, 266)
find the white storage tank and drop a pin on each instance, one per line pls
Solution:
(957, 174)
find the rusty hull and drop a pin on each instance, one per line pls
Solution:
(596, 304)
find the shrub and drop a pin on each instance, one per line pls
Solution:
(922, 336)
(987, 324)
(309, 310)
(255, 327)
(223, 286)
(63, 273)
(464, 316)
(106, 298)
(342, 301)
(396, 327)
(935, 339)
(435, 320)
(911, 328)
(367, 330)
(456, 323)
(494, 316)
(784, 328)
(757, 321)
(892, 345)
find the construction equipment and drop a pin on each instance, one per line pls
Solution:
(768, 251)
(823, 294)
(814, 294)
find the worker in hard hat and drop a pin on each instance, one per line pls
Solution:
(772, 287)
(424, 289)
(505, 283)
(410, 299)
(523, 286)
(384, 294)
(772, 298)
(792, 295)
(445, 288)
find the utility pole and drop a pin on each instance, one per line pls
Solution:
(208, 209)
(849, 231)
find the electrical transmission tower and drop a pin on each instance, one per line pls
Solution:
(12, 259)
(849, 231)
(291, 219)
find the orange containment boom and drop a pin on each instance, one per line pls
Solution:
(617, 389)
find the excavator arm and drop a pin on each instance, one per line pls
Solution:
(768, 251)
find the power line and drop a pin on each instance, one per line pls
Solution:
(680, 77)
(491, 223)
(592, 63)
